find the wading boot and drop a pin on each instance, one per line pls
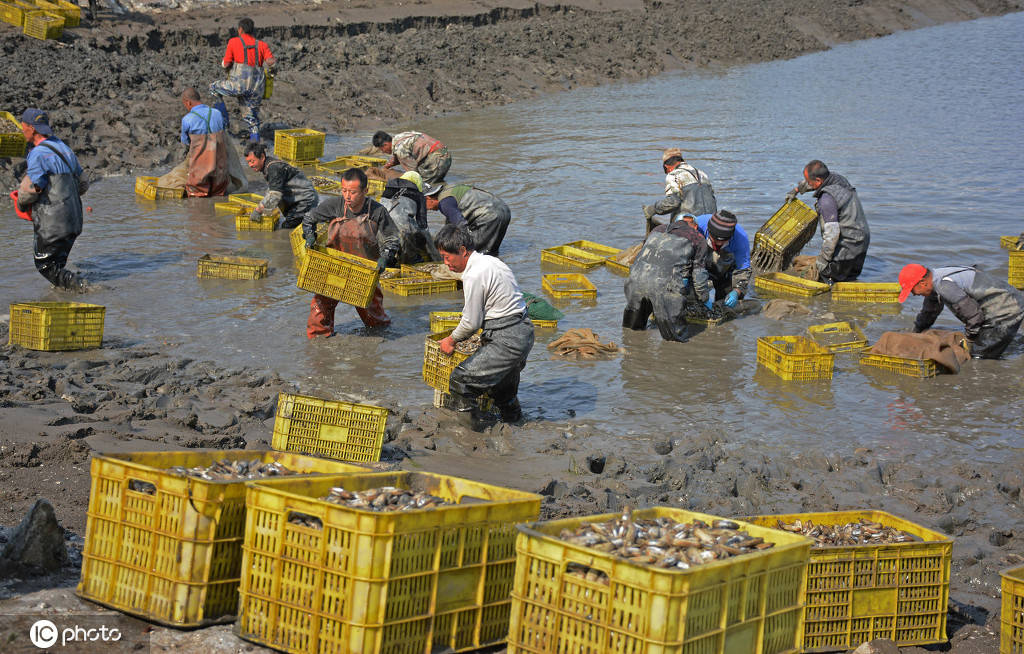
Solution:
(69, 281)
(223, 109)
(467, 412)
(511, 412)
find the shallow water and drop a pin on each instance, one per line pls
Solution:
(929, 136)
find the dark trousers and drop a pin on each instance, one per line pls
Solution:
(51, 258)
(843, 271)
(992, 342)
(494, 368)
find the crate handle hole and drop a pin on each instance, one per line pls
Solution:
(140, 486)
(588, 573)
(305, 520)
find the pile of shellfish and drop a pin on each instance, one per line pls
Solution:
(225, 470)
(862, 532)
(664, 542)
(470, 345)
(386, 499)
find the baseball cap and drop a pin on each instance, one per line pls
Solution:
(414, 177)
(911, 274)
(671, 152)
(38, 120)
(430, 189)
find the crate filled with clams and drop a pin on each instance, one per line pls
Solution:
(402, 562)
(871, 575)
(163, 539)
(657, 580)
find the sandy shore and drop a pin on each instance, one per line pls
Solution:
(112, 88)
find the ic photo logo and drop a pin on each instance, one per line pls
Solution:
(45, 633)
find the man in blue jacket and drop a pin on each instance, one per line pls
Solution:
(729, 262)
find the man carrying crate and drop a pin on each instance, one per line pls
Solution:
(990, 309)
(287, 187)
(245, 57)
(844, 227)
(359, 226)
(494, 303)
(688, 191)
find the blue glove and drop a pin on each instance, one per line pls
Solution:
(731, 299)
(710, 303)
(256, 215)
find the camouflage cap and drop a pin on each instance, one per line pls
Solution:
(671, 152)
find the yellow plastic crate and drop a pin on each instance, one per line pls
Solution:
(246, 201)
(568, 286)
(794, 358)
(438, 366)
(544, 324)
(363, 582)
(327, 428)
(147, 188)
(1012, 614)
(341, 164)
(299, 144)
(603, 251)
(1016, 269)
(920, 368)
(267, 223)
(1008, 242)
(787, 231)
(447, 320)
(166, 547)
(12, 141)
(616, 267)
(71, 12)
(228, 207)
(858, 593)
(750, 603)
(782, 284)
(14, 13)
(571, 257)
(408, 285)
(879, 292)
(338, 275)
(299, 243)
(375, 188)
(326, 186)
(227, 267)
(839, 336)
(301, 163)
(56, 326)
(43, 25)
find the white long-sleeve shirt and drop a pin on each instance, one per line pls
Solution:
(490, 291)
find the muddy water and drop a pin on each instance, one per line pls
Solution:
(929, 135)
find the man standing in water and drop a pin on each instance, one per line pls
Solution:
(287, 187)
(844, 227)
(245, 57)
(202, 131)
(688, 191)
(359, 226)
(990, 309)
(494, 302)
(415, 151)
(50, 191)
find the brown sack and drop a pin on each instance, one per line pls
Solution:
(944, 347)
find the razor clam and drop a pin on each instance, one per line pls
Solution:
(386, 499)
(237, 470)
(862, 532)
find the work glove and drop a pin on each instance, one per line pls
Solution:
(710, 303)
(256, 215)
(731, 299)
(382, 263)
(792, 194)
(311, 239)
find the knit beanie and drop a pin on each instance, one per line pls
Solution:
(722, 226)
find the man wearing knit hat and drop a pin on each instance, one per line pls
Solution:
(688, 191)
(729, 259)
(990, 309)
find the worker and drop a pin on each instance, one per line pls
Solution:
(202, 133)
(672, 262)
(287, 188)
(494, 303)
(484, 214)
(415, 151)
(357, 225)
(844, 227)
(403, 198)
(246, 56)
(990, 309)
(688, 191)
(50, 191)
(728, 256)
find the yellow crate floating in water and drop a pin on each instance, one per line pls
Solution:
(603, 251)
(168, 547)
(571, 257)
(839, 336)
(862, 592)
(1015, 266)
(12, 141)
(243, 223)
(328, 428)
(616, 267)
(920, 368)
(1009, 242)
(571, 598)
(43, 25)
(338, 275)
(147, 188)
(300, 144)
(56, 326)
(362, 582)
(408, 284)
(341, 164)
(228, 207)
(569, 286)
(1012, 616)
(878, 292)
(228, 267)
(794, 358)
(782, 284)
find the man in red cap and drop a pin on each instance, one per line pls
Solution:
(990, 309)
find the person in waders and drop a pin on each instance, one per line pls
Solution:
(485, 215)
(688, 191)
(415, 151)
(245, 57)
(728, 256)
(356, 225)
(493, 303)
(404, 200)
(49, 196)
(990, 309)
(202, 132)
(287, 188)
